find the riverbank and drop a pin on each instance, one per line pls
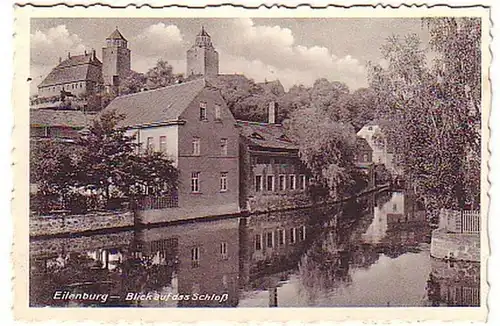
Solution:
(55, 225)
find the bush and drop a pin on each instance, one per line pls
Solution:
(77, 203)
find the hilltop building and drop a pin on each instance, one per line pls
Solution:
(202, 58)
(79, 74)
(85, 74)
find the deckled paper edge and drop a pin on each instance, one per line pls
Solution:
(21, 185)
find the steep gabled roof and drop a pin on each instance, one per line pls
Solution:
(76, 68)
(116, 35)
(266, 135)
(60, 118)
(156, 106)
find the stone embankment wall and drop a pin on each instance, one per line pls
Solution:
(52, 225)
(55, 246)
(455, 246)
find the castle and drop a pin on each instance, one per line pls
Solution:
(86, 74)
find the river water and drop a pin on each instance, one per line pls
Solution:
(371, 252)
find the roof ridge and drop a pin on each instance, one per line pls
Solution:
(163, 88)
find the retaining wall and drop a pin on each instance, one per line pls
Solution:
(455, 246)
(52, 225)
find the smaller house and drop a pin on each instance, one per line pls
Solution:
(383, 153)
(271, 172)
(363, 155)
(62, 125)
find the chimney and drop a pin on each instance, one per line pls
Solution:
(69, 55)
(272, 112)
(93, 54)
(85, 52)
(60, 59)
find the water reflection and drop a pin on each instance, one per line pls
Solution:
(368, 252)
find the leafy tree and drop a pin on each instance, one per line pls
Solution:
(133, 83)
(434, 111)
(161, 75)
(326, 147)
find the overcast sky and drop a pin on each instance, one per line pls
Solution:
(295, 51)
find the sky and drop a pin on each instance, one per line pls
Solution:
(295, 51)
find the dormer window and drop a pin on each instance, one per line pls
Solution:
(256, 136)
(203, 111)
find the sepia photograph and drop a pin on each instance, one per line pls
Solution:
(333, 162)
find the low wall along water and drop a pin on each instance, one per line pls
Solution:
(52, 225)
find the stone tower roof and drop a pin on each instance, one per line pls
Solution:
(116, 35)
(203, 32)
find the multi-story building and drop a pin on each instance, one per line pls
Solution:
(192, 125)
(77, 75)
(202, 58)
(271, 172)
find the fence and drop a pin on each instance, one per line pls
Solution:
(460, 221)
(151, 202)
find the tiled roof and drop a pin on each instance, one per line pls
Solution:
(75, 68)
(60, 118)
(156, 106)
(266, 135)
(116, 35)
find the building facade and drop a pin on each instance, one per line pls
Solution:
(272, 175)
(382, 153)
(77, 75)
(202, 58)
(192, 125)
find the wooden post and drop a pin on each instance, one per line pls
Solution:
(273, 297)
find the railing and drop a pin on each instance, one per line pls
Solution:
(151, 202)
(460, 221)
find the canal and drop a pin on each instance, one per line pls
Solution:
(373, 251)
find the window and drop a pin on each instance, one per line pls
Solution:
(163, 144)
(196, 146)
(258, 242)
(195, 182)
(263, 160)
(292, 182)
(293, 235)
(223, 250)
(217, 112)
(223, 181)
(365, 157)
(270, 183)
(355, 157)
(302, 182)
(302, 233)
(394, 207)
(223, 146)
(203, 111)
(370, 128)
(282, 183)
(258, 183)
(281, 237)
(150, 144)
(270, 239)
(195, 257)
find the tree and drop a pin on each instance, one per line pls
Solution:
(161, 75)
(434, 111)
(326, 147)
(133, 83)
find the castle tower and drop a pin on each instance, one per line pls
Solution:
(202, 58)
(115, 60)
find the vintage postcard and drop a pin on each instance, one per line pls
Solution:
(333, 160)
